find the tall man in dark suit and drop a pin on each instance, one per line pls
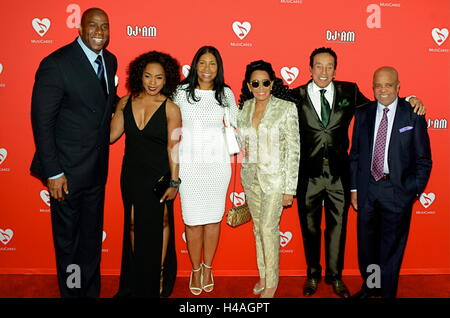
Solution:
(326, 108)
(73, 98)
(390, 163)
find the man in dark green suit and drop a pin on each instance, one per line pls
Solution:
(326, 108)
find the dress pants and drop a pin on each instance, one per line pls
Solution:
(266, 209)
(312, 191)
(77, 225)
(383, 225)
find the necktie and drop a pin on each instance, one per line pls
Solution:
(380, 147)
(101, 74)
(324, 108)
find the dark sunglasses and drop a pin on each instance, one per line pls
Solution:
(265, 83)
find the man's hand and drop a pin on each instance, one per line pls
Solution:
(354, 200)
(58, 187)
(419, 108)
(287, 199)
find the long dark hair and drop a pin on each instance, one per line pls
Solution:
(192, 79)
(278, 89)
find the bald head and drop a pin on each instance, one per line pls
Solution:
(90, 11)
(386, 85)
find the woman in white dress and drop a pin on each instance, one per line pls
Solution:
(205, 171)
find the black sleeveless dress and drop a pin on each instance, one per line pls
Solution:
(144, 162)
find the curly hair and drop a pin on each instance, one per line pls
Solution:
(279, 89)
(136, 69)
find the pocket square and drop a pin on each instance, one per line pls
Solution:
(406, 128)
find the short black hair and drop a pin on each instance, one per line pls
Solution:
(278, 89)
(137, 66)
(85, 13)
(319, 50)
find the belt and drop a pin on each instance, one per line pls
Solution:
(385, 176)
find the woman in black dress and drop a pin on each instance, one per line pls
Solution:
(151, 122)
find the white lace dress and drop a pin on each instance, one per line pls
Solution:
(205, 169)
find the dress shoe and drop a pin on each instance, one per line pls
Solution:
(362, 294)
(310, 286)
(339, 287)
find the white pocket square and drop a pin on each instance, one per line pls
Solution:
(406, 128)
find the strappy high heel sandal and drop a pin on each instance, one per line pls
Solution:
(161, 280)
(208, 288)
(258, 289)
(196, 290)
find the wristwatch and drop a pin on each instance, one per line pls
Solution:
(175, 183)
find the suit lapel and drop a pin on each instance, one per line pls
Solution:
(308, 104)
(371, 116)
(87, 79)
(399, 121)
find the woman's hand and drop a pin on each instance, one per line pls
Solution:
(170, 194)
(287, 199)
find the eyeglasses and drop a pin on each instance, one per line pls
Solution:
(256, 83)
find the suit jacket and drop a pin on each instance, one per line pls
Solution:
(274, 149)
(331, 141)
(409, 156)
(71, 117)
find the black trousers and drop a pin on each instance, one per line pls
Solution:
(312, 192)
(383, 225)
(77, 225)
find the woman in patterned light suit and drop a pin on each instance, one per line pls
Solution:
(268, 129)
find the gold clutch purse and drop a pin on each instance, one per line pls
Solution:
(238, 215)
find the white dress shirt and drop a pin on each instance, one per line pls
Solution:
(314, 95)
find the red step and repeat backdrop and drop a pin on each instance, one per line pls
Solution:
(409, 35)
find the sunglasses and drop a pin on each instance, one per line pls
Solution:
(256, 83)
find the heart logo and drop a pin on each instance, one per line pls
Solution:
(41, 26)
(6, 236)
(285, 238)
(104, 236)
(184, 237)
(439, 36)
(289, 74)
(45, 196)
(427, 199)
(241, 29)
(3, 155)
(237, 199)
(185, 70)
(1, 68)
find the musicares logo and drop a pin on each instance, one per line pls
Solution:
(237, 199)
(285, 238)
(3, 155)
(426, 199)
(41, 26)
(439, 35)
(6, 236)
(185, 70)
(241, 29)
(289, 74)
(45, 196)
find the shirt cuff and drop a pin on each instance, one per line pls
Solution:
(409, 97)
(353, 190)
(57, 176)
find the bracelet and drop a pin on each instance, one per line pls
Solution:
(175, 183)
